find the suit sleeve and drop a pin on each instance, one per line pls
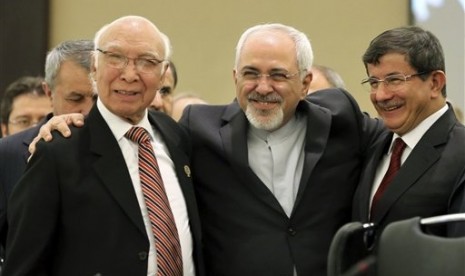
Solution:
(32, 217)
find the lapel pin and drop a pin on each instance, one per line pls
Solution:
(187, 170)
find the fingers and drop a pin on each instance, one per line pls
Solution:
(59, 123)
(32, 146)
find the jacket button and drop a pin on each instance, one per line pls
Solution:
(291, 231)
(143, 255)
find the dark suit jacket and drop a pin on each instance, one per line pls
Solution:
(425, 181)
(457, 205)
(13, 160)
(246, 232)
(74, 212)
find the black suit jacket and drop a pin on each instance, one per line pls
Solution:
(246, 232)
(13, 160)
(457, 205)
(425, 181)
(75, 212)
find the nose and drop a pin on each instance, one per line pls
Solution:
(382, 93)
(129, 72)
(264, 84)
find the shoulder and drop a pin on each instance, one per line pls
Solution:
(334, 99)
(210, 116)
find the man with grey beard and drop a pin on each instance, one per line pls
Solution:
(275, 173)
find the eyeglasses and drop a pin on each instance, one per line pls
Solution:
(253, 76)
(24, 122)
(143, 65)
(391, 83)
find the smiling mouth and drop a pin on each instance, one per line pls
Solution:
(124, 92)
(389, 106)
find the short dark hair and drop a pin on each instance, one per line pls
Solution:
(422, 49)
(21, 86)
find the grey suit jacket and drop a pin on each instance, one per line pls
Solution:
(425, 181)
(75, 211)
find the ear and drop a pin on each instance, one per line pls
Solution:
(47, 89)
(4, 130)
(306, 83)
(93, 65)
(234, 72)
(438, 81)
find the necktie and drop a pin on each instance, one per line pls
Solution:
(394, 166)
(169, 260)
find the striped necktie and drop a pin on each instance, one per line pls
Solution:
(169, 260)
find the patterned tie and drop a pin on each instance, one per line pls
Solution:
(394, 166)
(169, 260)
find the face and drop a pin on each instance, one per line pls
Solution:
(27, 111)
(163, 100)
(73, 91)
(318, 82)
(402, 108)
(127, 92)
(269, 104)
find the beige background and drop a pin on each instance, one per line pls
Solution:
(204, 33)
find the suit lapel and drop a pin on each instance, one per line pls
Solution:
(234, 137)
(111, 167)
(318, 129)
(423, 156)
(367, 178)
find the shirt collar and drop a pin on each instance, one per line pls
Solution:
(118, 126)
(413, 137)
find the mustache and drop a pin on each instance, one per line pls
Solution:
(271, 97)
(389, 104)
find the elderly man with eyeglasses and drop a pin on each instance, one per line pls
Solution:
(407, 86)
(116, 198)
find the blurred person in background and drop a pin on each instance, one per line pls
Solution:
(323, 78)
(67, 85)
(24, 105)
(163, 100)
(181, 100)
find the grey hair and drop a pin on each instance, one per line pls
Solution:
(77, 51)
(333, 78)
(304, 52)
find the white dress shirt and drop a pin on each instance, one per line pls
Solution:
(411, 139)
(130, 150)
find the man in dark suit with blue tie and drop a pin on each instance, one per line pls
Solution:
(81, 207)
(407, 86)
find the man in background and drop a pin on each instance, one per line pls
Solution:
(163, 100)
(323, 78)
(23, 105)
(67, 85)
(181, 101)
